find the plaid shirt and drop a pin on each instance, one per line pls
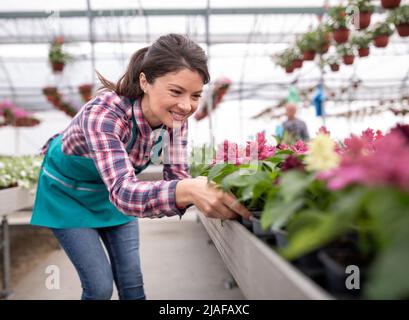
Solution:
(101, 130)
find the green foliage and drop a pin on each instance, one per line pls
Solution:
(382, 28)
(345, 50)
(200, 160)
(286, 58)
(337, 16)
(399, 15)
(363, 40)
(309, 42)
(362, 5)
(56, 54)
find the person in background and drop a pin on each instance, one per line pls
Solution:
(293, 127)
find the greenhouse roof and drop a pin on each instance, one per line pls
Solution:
(239, 36)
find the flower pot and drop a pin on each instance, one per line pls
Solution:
(334, 67)
(325, 48)
(364, 20)
(257, 230)
(403, 29)
(390, 4)
(308, 55)
(348, 59)
(341, 35)
(381, 41)
(289, 69)
(297, 63)
(58, 66)
(335, 262)
(363, 52)
(26, 122)
(281, 237)
(247, 223)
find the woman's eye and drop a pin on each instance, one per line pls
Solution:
(197, 97)
(175, 92)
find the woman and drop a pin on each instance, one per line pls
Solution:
(88, 190)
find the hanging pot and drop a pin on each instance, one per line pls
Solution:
(289, 69)
(309, 55)
(363, 52)
(297, 63)
(324, 48)
(57, 66)
(364, 20)
(341, 35)
(334, 67)
(403, 29)
(348, 59)
(390, 4)
(381, 41)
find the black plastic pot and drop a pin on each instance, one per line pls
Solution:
(335, 262)
(281, 237)
(257, 230)
(246, 222)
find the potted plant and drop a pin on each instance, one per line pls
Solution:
(362, 44)
(333, 63)
(324, 37)
(338, 24)
(289, 59)
(15, 116)
(85, 90)
(308, 45)
(400, 18)
(346, 52)
(390, 4)
(369, 191)
(365, 12)
(381, 33)
(57, 56)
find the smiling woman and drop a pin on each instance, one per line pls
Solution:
(88, 187)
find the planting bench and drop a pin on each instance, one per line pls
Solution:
(11, 200)
(258, 270)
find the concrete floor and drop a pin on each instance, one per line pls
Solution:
(182, 246)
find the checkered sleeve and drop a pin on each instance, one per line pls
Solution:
(103, 125)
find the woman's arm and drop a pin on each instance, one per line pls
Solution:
(102, 126)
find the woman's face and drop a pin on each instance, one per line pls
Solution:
(172, 98)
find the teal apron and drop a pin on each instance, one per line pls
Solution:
(71, 193)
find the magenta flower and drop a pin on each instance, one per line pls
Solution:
(300, 147)
(373, 160)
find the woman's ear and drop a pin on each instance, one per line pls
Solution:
(143, 83)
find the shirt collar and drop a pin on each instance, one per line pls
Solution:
(142, 124)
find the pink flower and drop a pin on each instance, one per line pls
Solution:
(300, 147)
(373, 160)
(323, 130)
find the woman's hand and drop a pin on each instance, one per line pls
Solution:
(213, 202)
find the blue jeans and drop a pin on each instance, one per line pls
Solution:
(97, 274)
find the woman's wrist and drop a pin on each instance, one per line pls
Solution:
(184, 192)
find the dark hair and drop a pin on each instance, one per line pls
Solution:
(169, 53)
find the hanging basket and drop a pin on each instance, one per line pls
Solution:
(85, 91)
(403, 29)
(341, 35)
(381, 41)
(289, 69)
(363, 52)
(309, 55)
(57, 66)
(334, 67)
(297, 63)
(364, 20)
(348, 59)
(390, 4)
